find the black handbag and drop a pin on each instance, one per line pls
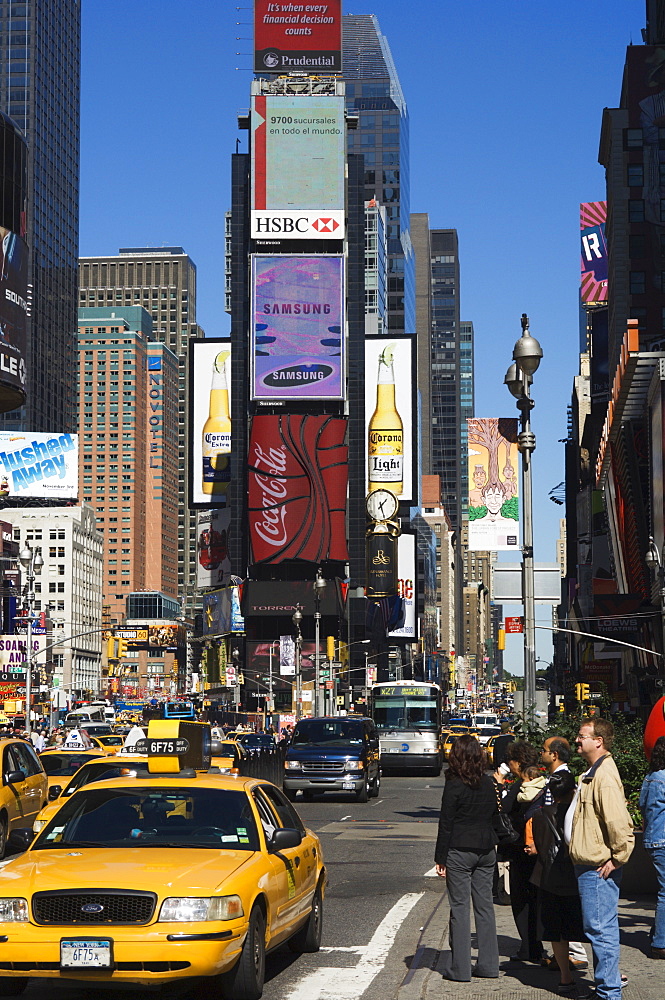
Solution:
(503, 827)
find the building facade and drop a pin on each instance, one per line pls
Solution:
(69, 588)
(128, 426)
(163, 281)
(40, 41)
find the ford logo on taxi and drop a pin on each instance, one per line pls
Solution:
(92, 908)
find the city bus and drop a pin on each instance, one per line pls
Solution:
(407, 715)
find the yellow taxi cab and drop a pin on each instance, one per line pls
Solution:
(451, 736)
(23, 791)
(64, 761)
(172, 874)
(494, 742)
(229, 756)
(111, 743)
(96, 769)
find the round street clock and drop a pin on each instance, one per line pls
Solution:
(381, 505)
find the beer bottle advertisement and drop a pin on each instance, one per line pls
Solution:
(210, 436)
(216, 447)
(388, 392)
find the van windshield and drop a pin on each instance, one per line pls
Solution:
(324, 732)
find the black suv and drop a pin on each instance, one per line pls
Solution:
(333, 754)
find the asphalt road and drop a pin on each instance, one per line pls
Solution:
(378, 897)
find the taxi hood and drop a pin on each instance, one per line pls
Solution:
(176, 871)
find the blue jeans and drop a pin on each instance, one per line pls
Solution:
(658, 858)
(600, 916)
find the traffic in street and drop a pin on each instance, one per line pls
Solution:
(381, 890)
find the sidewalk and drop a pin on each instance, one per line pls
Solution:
(424, 981)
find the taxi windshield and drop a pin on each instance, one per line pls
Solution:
(98, 771)
(63, 765)
(142, 816)
(112, 740)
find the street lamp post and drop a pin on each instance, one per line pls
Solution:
(296, 618)
(527, 354)
(31, 561)
(656, 562)
(319, 589)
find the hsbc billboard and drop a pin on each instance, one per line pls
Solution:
(298, 155)
(304, 225)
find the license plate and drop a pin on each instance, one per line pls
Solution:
(393, 749)
(349, 784)
(76, 953)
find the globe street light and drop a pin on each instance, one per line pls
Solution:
(296, 618)
(527, 355)
(31, 561)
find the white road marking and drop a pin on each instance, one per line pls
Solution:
(431, 873)
(349, 984)
(345, 817)
(377, 802)
(357, 949)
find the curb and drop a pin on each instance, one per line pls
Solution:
(427, 958)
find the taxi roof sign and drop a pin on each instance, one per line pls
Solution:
(175, 744)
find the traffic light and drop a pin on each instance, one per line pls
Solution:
(110, 649)
(585, 692)
(123, 646)
(330, 647)
(501, 639)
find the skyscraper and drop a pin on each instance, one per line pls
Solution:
(128, 393)
(39, 89)
(163, 281)
(374, 93)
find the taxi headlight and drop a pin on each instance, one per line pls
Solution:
(13, 908)
(193, 909)
(292, 765)
(354, 765)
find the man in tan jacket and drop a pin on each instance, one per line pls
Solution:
(600, 835)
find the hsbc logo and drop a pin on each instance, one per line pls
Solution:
(308, 225)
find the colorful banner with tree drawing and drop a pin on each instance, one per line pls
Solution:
(493, 486)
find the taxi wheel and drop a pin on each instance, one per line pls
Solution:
(12, 987)
(308, 938)
(3, 849)
(375, 787)
(245, 980)
(290, 794)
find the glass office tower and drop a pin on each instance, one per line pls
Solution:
(40, 49)
(374, 93)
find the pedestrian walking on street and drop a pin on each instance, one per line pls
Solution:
(652, 805)
(558, 899)
(599, 832)
(517, 801)
(465, 856)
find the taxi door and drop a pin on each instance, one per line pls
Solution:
(13, 795)
(286, 883)
(305, 858)
(35, 789)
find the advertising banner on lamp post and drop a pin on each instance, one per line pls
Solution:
(493, 488)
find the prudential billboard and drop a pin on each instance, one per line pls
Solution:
(298, 328)
(304, 37)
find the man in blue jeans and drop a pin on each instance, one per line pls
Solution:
(599, 832)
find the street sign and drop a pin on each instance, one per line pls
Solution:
(514, 625)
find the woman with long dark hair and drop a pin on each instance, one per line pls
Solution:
(465, 856)
(652, 805)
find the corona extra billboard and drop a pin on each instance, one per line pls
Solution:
(210, 421)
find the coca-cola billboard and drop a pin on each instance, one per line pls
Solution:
(297, 484)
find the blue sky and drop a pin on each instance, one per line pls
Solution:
(505, 102)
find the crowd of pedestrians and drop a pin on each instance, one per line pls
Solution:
(567, 844)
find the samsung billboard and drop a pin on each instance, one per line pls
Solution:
(298, 327)
(298, 157)
(297, 37)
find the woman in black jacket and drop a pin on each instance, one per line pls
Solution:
(465, 855)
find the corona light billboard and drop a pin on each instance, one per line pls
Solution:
(210, 421)
(301, 37)
(298, 158)
(298, 328)
(493, 491)
(38, 465)
(389, 408)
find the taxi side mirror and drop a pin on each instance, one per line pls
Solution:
(20, 840)
(215, 748)
(285, 838)
(54, 792)
(13, 777)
